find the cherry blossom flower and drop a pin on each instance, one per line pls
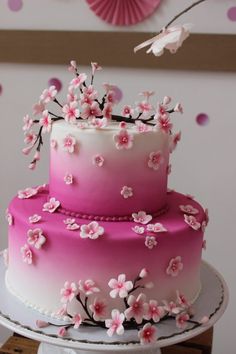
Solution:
(150, 242)
(9, 218)
(98, 309)
(143, 273)
(181, 300)
(86, 99)
(138, 229)
(51, 206)
(107, 111)
(175, 266)
(142, 217)
(28, 122)
(120, 287)
(192, 222)
(115, 323)
(181, 320)
(99, 123)
(53, 143)
(68, 179)
(6, 257)
(123, 140)
(69, 143)
(27, 150)
(73, 66)
(170, 38)
(142, 127)
(154, 312)
(174, 141)
(78, 81)
(30, 137)
(158, 227)
(137, 308)
(188, 209)
(126, 192)
(77, 320)
(98, 160)
(34, 218)
(178, 108)
(144, 107)
(91, 111)
(92, 230)
(68, 292)
(148, 334)
(38, 108)
(48, 95)
(162, 109)
(37, 155)
(36, 238)
(111, 97)
(88, 287)
(46, 122)
(62, 332)
(27, 193)
(164, 124)
(61, 312)
(95, 67)
(71, 112)
(69, 221)
(155, 160)
(27, 255)
(73, 227)
(127, 111)
(122, 125)
(42, 324)
(171, 307)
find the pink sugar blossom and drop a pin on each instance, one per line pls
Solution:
(143, 273)
(89, 91)
(88, 287)
(174, 141)
(9, 218)
(142, 127)
(98, 309)
(181, 300)
(53, 143)
(158, 227)
(85, 99)
(162, 109)
(123, 140)
(73, 227)
(164, 124)
(122, 125)
(150, 242)
(107, 111)
(138, 229)
(46, 122)
(71, 112)
(91, 111)
(171, 307)
(69, 143)
(37, 155)
(48, 94)
(178, 108)
(148, 334)
(127, 111)
(69, 221)
(188, 209)
(62, 311)
(115, 324)
(32, 165)
(68, 292)
(77, 320)
(182, 320)
(137, 308)
(28, 122)
(98, 160)
(36, 238)
(111, 97)
(92, 230)
(99, 123)
(42, 324)
(71, 96)
(126, 192)
(62, 332)
(38, 108)
(73, 66)
(142, 217)
(27, 193)
(192, 222)
(108, 87)
(27, 255)
(6, 257)
(95, 67)
(78, 81)
(155, 160)
(34, 218)
(144, 107)
(154, 312)
(51, 206)
(27, 150)
(120, 287)
(147, 94)
(30, 137)
(175, 266)
(68, 179)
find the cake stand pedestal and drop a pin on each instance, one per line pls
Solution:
(21, 319)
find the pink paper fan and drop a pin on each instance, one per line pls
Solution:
(123, 12)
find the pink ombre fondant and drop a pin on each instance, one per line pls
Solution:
(95, 188)
(65, 256)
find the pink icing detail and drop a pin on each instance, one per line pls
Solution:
(141, 217)
(27, 193)
(171, 307)
(48, 95)
(127, 111)
(77, 320)
(78, 81)
(164, 124)
(68, 292)
(148, 334)
(123, 140)
(53, 143)
(188, 209)
(138, 229)
(181, 320)
(181, 300)
(34, 218)
(73, 227)
(36, 238)
(28, 122)
(120, 287)
(155, 160)
(69, 143)
(126, 192)
(98, 160)
(92, 230)
(46, 122)
(9, 218)
(27, 255)
(175, 266)
(143, 273)
(154, 311)
(192, 222)
(68, 179)
(98, 309)
(91, 111)
(158, 227)
(71, 112)
(51, 206)
(137, 308)
(115, 323)
(88, 287)
(69, 221)
(42, 324)
(62, 332)
(150, 242)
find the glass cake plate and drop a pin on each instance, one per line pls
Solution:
(21, 319)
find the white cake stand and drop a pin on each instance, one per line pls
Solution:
(21, 319)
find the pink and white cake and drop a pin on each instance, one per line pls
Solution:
(105, 243)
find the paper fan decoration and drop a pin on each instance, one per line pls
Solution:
(123, 12)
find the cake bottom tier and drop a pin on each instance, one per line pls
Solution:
(43, 255)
